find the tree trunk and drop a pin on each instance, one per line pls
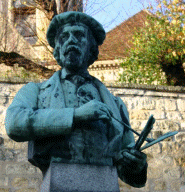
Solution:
(69, 5)
(54, 7)
(175, 74)
(75, 5)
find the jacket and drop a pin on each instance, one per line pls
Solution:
(36, 115)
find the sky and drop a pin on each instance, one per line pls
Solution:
(111, 13)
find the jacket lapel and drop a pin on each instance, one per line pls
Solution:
(116, 129)
(54, 91)
(108, 98)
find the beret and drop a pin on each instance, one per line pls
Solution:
(71, 18)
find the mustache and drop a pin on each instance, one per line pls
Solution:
(72, 48)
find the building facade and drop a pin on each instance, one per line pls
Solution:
(27, 26)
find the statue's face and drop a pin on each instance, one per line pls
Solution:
(74, 48)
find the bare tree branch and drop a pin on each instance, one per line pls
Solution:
(54, 7)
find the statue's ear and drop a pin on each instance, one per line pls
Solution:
(56, 54)
(93, 55)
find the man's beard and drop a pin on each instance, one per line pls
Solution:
(73, 59)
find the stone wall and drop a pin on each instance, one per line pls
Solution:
(16, 174)
(166, 171)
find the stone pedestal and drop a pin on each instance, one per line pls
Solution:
(80, 178)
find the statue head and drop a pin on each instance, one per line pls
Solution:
(75, 38)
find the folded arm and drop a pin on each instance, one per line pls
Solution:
(25, 122)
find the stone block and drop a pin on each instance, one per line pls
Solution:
(2, 114)
(170, 104)
(179, 137)
(146, 103)
(10, 100)
(166, 125)
(17, 168)
(123, 185)
(13, 93)
(4, 189)
(35, 182)
(129, 102)
(160, 104)
(171, 173)
(178, 145)
(38, 171)
(18, 182)
(135, 124)
(143, 123)
(22, 156)
(146, 188)
(154, 172)
(3, 131)
(9, 155)
(183, 115)
(167, 148)
(2, 166)
(182, 125)
(132, 92)
(156, 134)
(180, 161)
(21, 145)
(178, 149)
(154, 149)
(3, 181)
(27, 190)
(128, 92)
(2, 100)
(159, 162)
(158, 114)
(139, 114)
(2, 110)
(160, 185)
(4, 89)
(1, 140)
(166, 161)
(10, 144)
(2, 155)
(80, 177)
(174, 115)
(181, 104)
(161, 94)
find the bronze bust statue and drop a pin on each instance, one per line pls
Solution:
(69, 118)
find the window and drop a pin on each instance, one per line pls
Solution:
(25, 20)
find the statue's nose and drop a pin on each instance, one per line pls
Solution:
(72, 39)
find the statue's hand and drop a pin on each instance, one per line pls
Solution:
(132, 160)
(93, 110)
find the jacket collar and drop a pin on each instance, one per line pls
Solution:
(104, 93)
(65, 74)
(62, 74)
(52, 80)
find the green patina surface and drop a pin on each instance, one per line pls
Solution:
(69, 118)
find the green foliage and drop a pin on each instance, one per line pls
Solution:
(161, 42)
(19, 73)
(136, 73)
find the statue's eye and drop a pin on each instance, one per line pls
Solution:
(82, 93)
(79, 34)
(90, 97)
(64, 36)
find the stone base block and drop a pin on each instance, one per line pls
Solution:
(80, 178)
